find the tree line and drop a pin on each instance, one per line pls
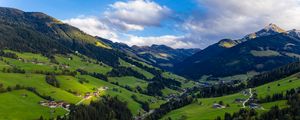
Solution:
(220, 90)
(125, 71)
(274, 75)
(108, 108)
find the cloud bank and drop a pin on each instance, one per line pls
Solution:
(236, 18)
(217, 19)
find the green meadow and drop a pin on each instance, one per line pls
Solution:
(205, 111)
(75, 62)
(24, 105)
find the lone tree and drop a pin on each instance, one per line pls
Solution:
(51, 79)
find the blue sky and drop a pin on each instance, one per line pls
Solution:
(176, 23)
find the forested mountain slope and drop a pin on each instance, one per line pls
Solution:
(231, 57)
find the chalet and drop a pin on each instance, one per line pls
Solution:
(96, 94)
(254, 106)
(218, 106)
(87, 95)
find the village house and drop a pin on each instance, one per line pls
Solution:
(254, 106)
(218, 106)
(96, 94)
(87, 95)
(54, 104)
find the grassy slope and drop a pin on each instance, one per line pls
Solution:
(29, 62)
(30, 56)
(4, 65)
(168, 91)
(195, 111)
(142, 71)
(31, 67)
(123, 94)
(184, 82)
(23, 108)
(69, 83)
(130, 81)
(38, 82)
(78, 63)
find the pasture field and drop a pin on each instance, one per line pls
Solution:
(130, 81)
(24, 105)
(196, 111)
(71, 88)
(137, 69)
(39, 83)
(31, 66)
(75, 62)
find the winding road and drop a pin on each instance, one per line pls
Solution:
(250, 91)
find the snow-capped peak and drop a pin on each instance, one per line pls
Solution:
(274, 28)
(270, 29)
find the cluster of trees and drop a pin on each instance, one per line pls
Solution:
(46, 97)
(220, 90)
(63, 72)
(152, 70)
(108, 108)
(82, 80)
(275, 113)
(51, 79)
(169, 106)
(13, 70)
(94, 74)
(8, 54)
(154, 88)
(275, 74)
(125, 71)
(159, 82)
(9, 88)
(99, 76)
(279, 96)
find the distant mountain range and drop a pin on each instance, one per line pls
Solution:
(260, 51)
(160, 56)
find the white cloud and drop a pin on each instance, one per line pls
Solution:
(124, 26)
(138, 12)
(235, 18)
(104, 28)
(126, 16)
(220, 19)
(93, 26)
(169, 40)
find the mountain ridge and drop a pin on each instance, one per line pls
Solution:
(161, 56)
(258, 54)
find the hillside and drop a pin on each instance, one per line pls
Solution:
(40, 33)
(267, 50)
(46, 65)
(203, 108)
(24, 79)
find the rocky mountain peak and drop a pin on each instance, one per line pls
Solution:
(270, 29)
